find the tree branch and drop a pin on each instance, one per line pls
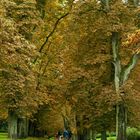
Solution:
(129, 67)
(105, 4)
(55, 26)
(117, 65)
(50, 34)
(53, 30)
(41, 74)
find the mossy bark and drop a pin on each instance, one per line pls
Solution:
(12, 125)
(122, 122)
(22, 127)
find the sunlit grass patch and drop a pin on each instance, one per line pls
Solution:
(108, 138)
(4, 136)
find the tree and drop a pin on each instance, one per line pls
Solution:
(81, 71)
(90, 61)
(17, 77)
(109, 22)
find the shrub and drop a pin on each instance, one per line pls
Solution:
(133, 134)
(98, 135)
(112, 134)
(112, 138)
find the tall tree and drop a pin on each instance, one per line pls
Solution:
(110, 22)
(17, 77)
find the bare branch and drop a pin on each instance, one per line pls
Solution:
(53, 30)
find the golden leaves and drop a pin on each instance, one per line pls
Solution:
(133, 39)
(18, 78)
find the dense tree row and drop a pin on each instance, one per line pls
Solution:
(69, 64)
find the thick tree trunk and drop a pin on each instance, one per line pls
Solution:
(103, 135)
(22, 128)
(122, 122)
(120, 77)
(12, 125)
(118, 80)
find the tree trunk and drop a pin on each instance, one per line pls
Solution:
(12, 125)
(31, 131)
(74, 137)
(122, 122)
(22, 128)
(81, 137)
(120, 77)
(66, 124)
(103, 135)
(84, 135)
(92, 135)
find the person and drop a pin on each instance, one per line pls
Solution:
(67, 134)
(58, 135)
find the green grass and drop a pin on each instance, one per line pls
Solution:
(3, 136)
(109, 138)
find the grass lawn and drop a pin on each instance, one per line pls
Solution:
(3, 136)
(109, 138)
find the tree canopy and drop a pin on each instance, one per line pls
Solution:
(75, 62)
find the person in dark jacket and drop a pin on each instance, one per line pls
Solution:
(67, 134)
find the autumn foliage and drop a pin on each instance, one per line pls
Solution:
(57, 64)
